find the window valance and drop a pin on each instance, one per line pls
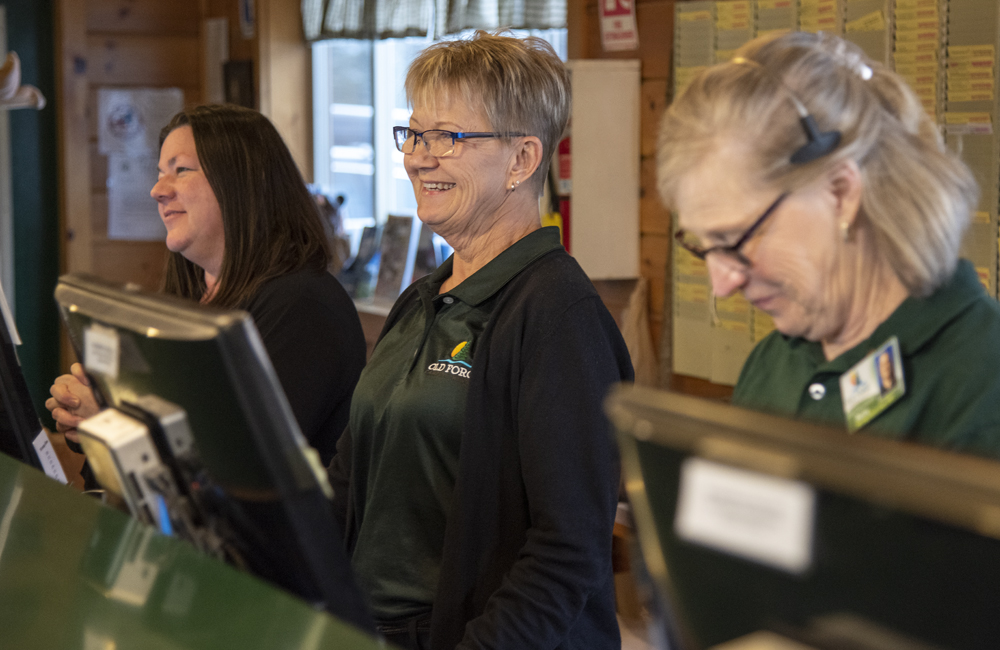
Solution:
(376, 19)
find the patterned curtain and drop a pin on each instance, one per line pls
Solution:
(375, 19)
(493, 14)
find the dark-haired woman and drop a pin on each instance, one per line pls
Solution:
(243, 232)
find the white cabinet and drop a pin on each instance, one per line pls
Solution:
(604, 146)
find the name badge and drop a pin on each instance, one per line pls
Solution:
(873, 385)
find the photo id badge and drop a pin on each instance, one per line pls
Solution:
(873, 385)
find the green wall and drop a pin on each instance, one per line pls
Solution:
(30, 33)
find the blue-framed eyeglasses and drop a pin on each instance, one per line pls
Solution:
(438, 143)
(732, 252)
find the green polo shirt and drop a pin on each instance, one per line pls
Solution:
(950, 343)
(407, 417)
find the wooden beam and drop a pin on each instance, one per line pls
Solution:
(577, 27)
(72, 68)
(144, 60)
(148, 16)
(285, 77)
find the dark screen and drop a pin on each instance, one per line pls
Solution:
(253, 480)
(19, 423)
(902, 542)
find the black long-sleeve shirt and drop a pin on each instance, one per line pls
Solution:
(526, 561)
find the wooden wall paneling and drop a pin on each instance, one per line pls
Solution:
(144, 16)
(121, 261)
(615, 295)
(71, 102)
(655, 256)
(655, 21)
(662, 323)
(654, 218)
(140, 262)
(285, 76)
(144, 60)
(700, 387)
(652, 104)
(579, 15)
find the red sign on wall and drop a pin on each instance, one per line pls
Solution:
(618, 30)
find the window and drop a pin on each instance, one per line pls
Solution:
(358, 97)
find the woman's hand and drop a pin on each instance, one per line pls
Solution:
(72, 401)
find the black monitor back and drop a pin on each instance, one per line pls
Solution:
(904, 538)
(212, 363)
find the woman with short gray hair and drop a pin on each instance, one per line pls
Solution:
(810, 178)
(478, 478)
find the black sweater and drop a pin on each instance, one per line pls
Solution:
(527, 553)
(313, 335)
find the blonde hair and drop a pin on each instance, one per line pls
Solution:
(521, 84)
(918, 197)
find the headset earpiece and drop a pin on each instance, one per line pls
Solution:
(818, 145)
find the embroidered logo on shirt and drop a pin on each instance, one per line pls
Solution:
(459, 363)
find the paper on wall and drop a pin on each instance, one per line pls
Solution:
(129, 120)
(132, 212)
(129, 124)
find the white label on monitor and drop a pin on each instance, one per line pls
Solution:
(755, 516)
(101, 350)
(46, 454)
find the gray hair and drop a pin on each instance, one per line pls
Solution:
(918, 197)
(521, 84)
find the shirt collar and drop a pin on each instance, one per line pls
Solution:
(485, 282)
(915, 322)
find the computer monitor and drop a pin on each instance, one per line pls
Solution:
(751, 524)
(255, 481)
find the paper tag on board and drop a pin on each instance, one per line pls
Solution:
(101, 350)
(50, 462)
(755, 516)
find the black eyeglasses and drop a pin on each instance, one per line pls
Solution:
(730, 252)
(437, 142)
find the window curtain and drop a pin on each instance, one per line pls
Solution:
(376, 19)
(515, 14)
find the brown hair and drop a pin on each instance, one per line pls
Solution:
(272, 225)
(521, 84)
(918, 197)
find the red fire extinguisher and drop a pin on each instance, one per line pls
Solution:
(564, 187)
